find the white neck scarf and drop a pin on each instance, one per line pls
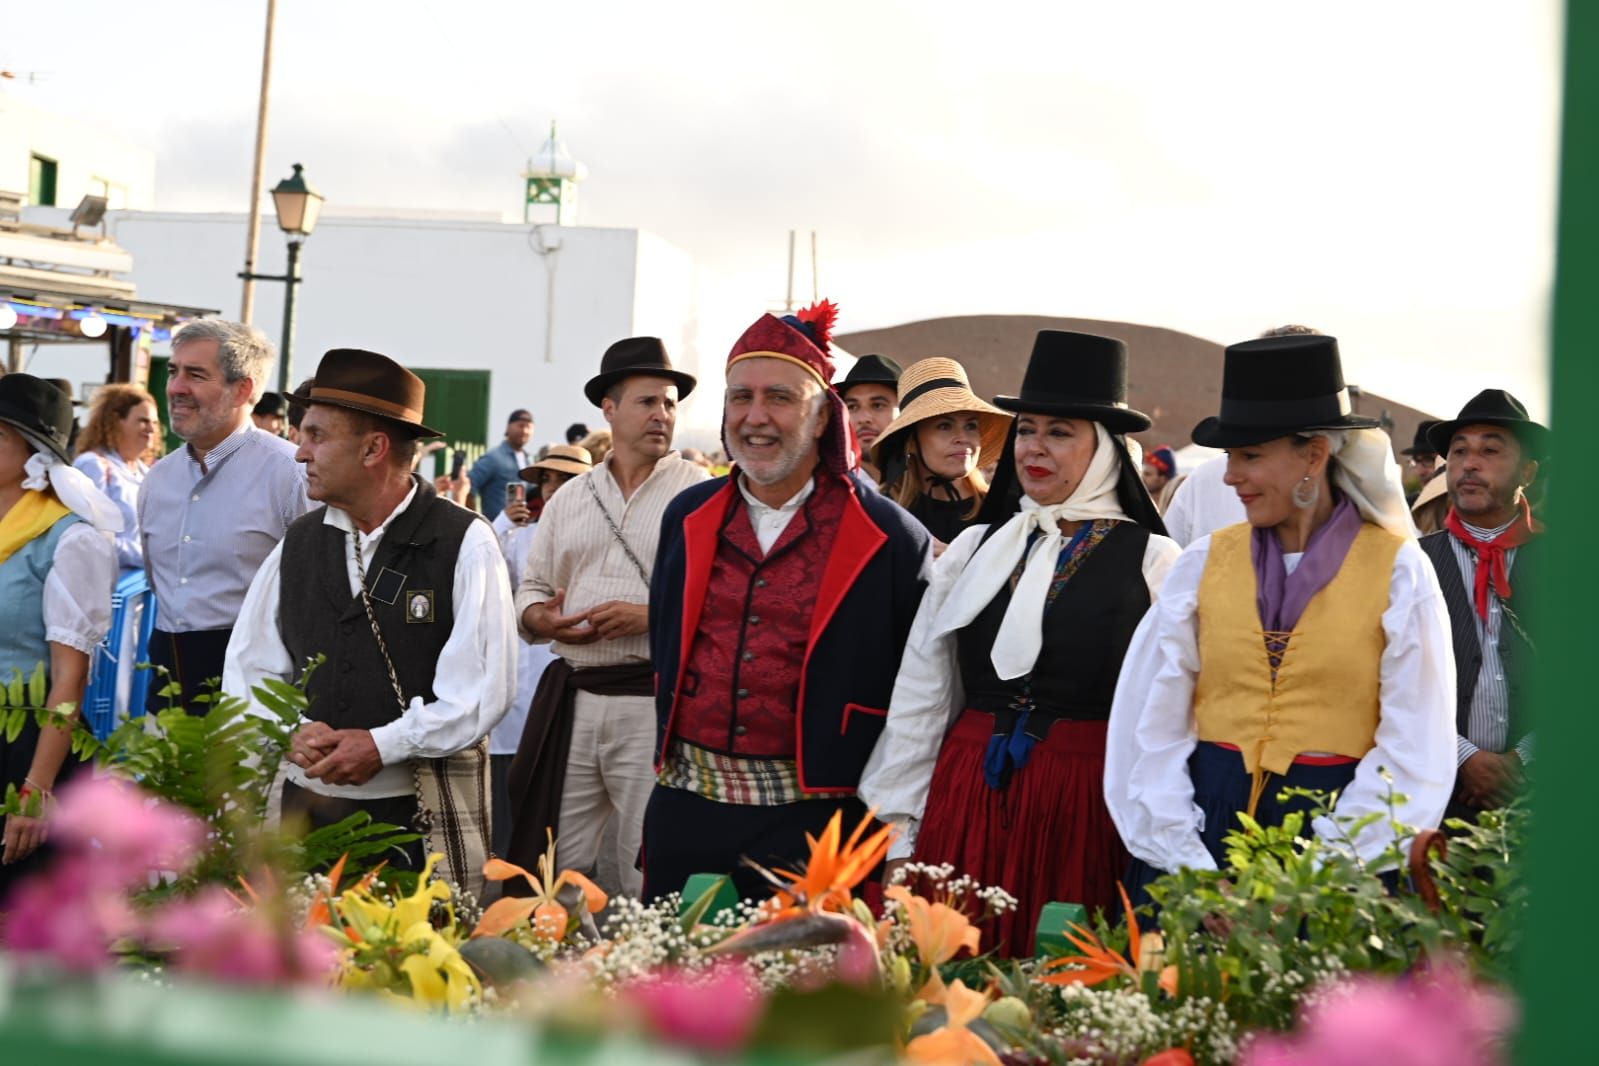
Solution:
(73, 488)
(1021, 634)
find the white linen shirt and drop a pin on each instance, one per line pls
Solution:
(1203, 503)
(1152, 730)
(473, 684)
(78, 588)
(769, 522)
(928, 697)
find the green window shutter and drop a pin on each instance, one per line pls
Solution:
(41, 181)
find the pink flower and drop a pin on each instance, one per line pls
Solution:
(210, 935)
(712, 1011)
(1434, 1019)
(62, 914)
(129, 832)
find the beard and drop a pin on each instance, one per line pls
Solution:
(793, 450)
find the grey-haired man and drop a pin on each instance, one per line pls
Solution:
(211, 511)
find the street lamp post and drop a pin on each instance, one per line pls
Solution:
(298, 207)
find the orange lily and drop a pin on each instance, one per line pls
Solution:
(833, 870)
(939, 932)
(1097, 963)
(550, 918)
(955, 1044)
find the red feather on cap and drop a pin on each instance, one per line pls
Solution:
(821, 315)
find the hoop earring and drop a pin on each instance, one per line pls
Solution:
(1306, 500)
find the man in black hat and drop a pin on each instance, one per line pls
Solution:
(870, 392)
(271, 413)
(1423, 460)
(586, 755)
(405, 594)
(1489, 537)
(502, 464)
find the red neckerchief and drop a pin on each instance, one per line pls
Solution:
(1491, 553)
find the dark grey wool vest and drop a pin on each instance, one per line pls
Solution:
(410, 580)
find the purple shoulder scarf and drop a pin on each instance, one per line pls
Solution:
(1281, 597)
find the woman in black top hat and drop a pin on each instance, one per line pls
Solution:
(1308, 646)
(57, 572)
(993, 753)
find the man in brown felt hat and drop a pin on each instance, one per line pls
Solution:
(587, 752)
(406, 596)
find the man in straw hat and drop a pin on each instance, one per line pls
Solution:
(406, 596)
(1493, 450)
(782, 598)
(584, 758)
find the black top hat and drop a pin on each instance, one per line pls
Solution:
(1421, 445)
(369, 382)
(1077, 375)
(41, 412)
(870, 370)
(272, 403)
(1278, 386)
(635, 357)
(1493, 407)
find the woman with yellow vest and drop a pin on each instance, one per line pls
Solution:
(1306, 647)
(57, 571)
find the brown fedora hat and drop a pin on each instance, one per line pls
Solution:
(635, 357)
(368, 382)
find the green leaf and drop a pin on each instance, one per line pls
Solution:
(37, 686)
(14, 693)
(14, 723)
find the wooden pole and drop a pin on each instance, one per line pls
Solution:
(252, 235)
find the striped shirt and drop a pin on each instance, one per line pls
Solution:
(207, 527)
(574, 549)
(1488, 725)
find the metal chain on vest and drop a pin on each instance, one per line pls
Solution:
(424, 816)
(616, 531)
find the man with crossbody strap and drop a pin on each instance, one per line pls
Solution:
(586, 755)
(405, 595)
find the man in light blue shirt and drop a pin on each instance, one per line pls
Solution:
(502, 464)
(211, 511)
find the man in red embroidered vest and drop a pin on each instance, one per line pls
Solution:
(1486, 557)
(780, 602)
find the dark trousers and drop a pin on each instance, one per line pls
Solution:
(500, 789)
(192, 660)
(319, 811)
(687, 834)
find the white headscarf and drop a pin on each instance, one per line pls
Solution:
(45, 470)
(1021, 634)
(1364, 469)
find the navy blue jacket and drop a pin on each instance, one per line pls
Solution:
(870, 591)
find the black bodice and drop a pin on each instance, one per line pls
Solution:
(1086, 632)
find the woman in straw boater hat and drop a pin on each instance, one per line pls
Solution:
(993, 753)
(931, 454)
(1308, 646)
(57, 571)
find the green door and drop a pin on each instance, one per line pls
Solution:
(158, 389)
(458, 407)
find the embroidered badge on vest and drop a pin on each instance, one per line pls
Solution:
(418, 605)
(386, 586)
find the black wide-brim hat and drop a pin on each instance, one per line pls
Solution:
(272, 403)
(1494, 407)
(1077, 375)
(636, 357)
(870, 370)
(39, 411)
(371, 383)
(1422, 445)
(1279, 386)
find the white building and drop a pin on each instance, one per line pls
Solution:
(493, 315)
(56, 160)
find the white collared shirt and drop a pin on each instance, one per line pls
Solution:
(473, 685)
(769, 522)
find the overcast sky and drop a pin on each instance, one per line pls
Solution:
(1384, 171)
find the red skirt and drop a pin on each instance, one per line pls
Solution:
(1046, 836)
